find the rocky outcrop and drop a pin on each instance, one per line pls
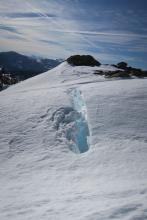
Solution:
(6, 79)
(131, 71)
(124, 71)
(83, 60)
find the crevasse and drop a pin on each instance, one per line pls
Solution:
(81, 133)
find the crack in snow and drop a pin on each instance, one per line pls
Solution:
(71, 123)
(81, 133)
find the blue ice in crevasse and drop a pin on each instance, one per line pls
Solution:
(81, 133)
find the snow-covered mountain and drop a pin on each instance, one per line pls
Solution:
(23, 67)
(74, 146)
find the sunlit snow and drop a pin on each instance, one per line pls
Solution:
(46, 122)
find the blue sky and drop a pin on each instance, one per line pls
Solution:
(111, 30)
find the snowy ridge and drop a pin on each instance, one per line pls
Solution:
(44, 176)
(61, 76)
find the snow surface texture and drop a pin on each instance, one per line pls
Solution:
(43, 172)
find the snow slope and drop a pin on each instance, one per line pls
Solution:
(73, 146)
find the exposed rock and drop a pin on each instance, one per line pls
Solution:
(122, 74)
(124, 71)
(138, 72)
(99, 72)
(6, 80)
(122, 65)
(117, 73)
(83, 60)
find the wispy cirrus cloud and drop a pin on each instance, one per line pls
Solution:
(28, 15)
(9, 28)
(58, 28)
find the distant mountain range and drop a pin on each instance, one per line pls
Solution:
(23, 67)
